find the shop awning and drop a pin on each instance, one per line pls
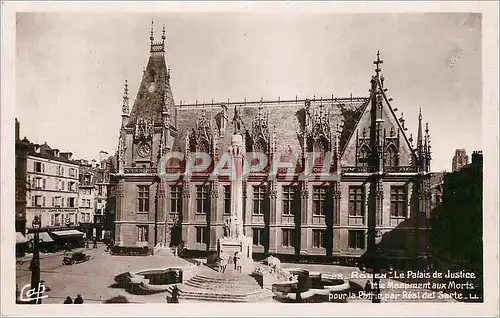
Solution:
(20, 239)
(44, 237)
(68, 233)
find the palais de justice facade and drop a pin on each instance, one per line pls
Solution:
(383, 186)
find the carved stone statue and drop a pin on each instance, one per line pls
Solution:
(229, 227)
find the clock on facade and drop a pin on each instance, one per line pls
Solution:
(144, 149)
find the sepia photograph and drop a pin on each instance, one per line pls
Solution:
(193, 157)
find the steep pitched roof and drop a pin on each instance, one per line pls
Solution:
(153, 93)
(284, 116)
(387, 101)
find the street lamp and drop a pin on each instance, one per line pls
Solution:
(35, 263)
(377, 236)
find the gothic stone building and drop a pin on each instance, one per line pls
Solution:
(382, 196)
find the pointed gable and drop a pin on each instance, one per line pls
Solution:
(391, 136)
(154, 95)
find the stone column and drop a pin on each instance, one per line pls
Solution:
(304, 217)
(214, 209)
(237, 153)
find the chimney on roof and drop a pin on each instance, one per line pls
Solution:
(17, 130)
(66, 155)
(54, 152)
(477, 157)
(102, 155)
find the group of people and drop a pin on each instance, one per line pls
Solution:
(224, 260)
(78, 300)
(94, 245)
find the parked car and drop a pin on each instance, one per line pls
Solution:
(75, 258)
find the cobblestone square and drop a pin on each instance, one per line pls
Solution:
(94, 279)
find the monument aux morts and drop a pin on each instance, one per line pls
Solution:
(382, 190)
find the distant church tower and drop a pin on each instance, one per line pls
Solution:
(147, 132)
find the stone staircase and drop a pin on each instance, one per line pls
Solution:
(223, 287)
(164, 251)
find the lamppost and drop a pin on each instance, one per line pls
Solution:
(35, 263)
(377, 236)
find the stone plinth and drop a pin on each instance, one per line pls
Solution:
(228, 247)
(235, 243)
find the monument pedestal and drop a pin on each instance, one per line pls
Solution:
(227, 246)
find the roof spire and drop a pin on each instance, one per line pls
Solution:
(378, 62)
(419, 133)
(157, 48)
(125, 106)
(152, 37)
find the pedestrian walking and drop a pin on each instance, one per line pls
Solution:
(175, 294)
(368, 289)
(68, 300)
(223, 260)
(78, 299)
(95, 243)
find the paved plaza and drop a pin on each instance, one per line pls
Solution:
(94, 279)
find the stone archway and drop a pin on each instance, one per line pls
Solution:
(175, 234)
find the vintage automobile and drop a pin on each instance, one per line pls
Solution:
(75, 258)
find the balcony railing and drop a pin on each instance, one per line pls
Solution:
(367, 169)
(401, 169)
(141, 170)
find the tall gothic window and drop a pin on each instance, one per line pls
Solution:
(391, 156)
(288, 237)
(203, 146)
(398, 206)
(288, 200)
(258, 236)
(260, 146)
(143, 198)
(202, 199)
(320, 145)
(356, 201)
(175, 199)
(319, 194)
(227, 199)
(142, 233)
(364, 156)
(356, 239)
(259, 199)
(318, 238)
(201, 235)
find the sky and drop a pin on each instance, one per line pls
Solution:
(71, 67)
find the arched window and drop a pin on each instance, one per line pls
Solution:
(320, 146)
(364, 156)
(203, 146)
(260, 146)
(391, 158)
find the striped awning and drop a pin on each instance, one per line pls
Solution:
(20, 239)
(68, 233)
(44, 237)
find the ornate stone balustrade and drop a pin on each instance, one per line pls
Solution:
(138, 170)
(401, 169)
(358, 169)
